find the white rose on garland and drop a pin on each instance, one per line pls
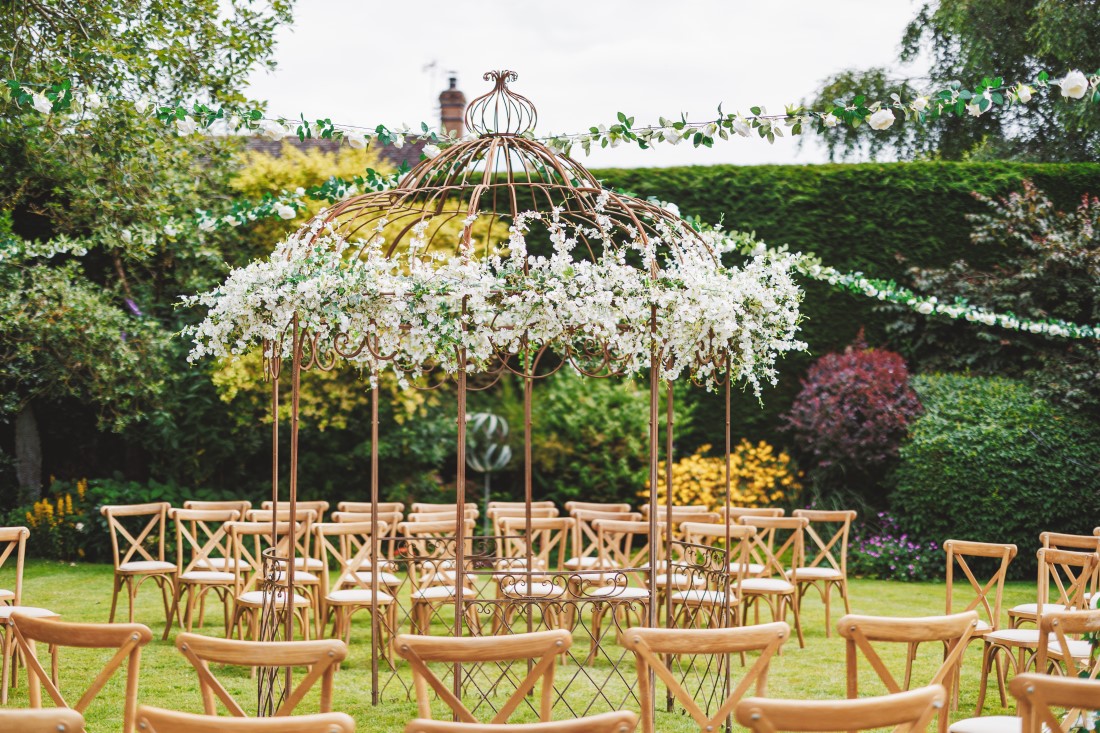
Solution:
(286, 211)
(1074, 85)
(41, 103)
(186, 126)
(881, 120)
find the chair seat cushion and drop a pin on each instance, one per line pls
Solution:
(6, 595)
(679, 580)
(753, 568)
(699, 596)
(1078, 648)
(220, 563)
(146, 566)
(1026, 637)
(7, 611)
(539, 589)
(434, 593)
(815, 574)
(766, 585)
(620, 592)
(988, 724)
(1030, 609)
(587, 563)
(301, 577)
(383, 578)
(259, 597)
(356, 596)
(206, 576)
(309, 563)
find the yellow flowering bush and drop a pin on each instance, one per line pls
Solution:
(759, 476)
(57, 523)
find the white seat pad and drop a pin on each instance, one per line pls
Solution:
(816, 574)
(754, 568)
(357, 595)
(258, 598)
(700, 596)
(383, 578)
(302, 577)
(1015, 636)
(146, 566)
(679, 580)
(36, 612)
(623, 592)
(1078, 648)
(207, 576)
(538, 590)
(434, 593)
(309, 563)
(219, 563)
(766, 585)
(987, 724)
(6, 594)
(586, 563)
(1033, 608)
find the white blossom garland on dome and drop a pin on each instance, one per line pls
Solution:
(410, 306)
(188, 118)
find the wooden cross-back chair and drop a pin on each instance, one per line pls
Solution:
(652, 649)
(13, 542)
(519, 505)
(305, 556)
(126, 640)
(430, 547)
(249, 540)
(320, 658)
(201, 539)
(1067, 644)
(388, 543)
(134, 563)
(1069, 573)
(825, 565)
(156, 720)
(349, 546)
(620, 721)
(318, 507)
(960, 552)
(693, 606)
(1039, 694)
(497, 514)
(596, 506)
(51, 720)
(586, 541)
(734, 513)
(548, 542)
(241, 505)
(905, 712)
(1028, 612)
(778, 557)
(470, 509)
(662, 509)
(860, 631)
(357, 507)
(540, 647)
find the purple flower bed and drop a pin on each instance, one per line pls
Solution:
(880, 549)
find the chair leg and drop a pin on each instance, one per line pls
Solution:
(114, 599)
(131, 592)
(6, 653)
(828, 624)
(987, 661)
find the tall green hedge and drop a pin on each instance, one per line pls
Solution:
(877, 218)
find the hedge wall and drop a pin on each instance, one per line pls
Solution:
(878, 218)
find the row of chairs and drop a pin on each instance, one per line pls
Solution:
(652, 648)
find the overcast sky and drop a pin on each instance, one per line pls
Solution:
(581, 62)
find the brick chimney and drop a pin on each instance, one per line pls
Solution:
(452, 108)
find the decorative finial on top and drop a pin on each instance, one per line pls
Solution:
(501, 111)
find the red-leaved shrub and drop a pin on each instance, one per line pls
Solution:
(852, 413)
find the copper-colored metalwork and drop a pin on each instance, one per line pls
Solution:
(481, 186)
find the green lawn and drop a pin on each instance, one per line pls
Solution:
(83, 593)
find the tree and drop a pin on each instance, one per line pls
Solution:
(966, 41)
(96, 196)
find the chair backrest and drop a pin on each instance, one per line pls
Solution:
(549, 538)
(201, 535)
(438, 516)
(662, 509)
(365, 506)
(151, 520)
(652, 647)
(736, 512)
(628, 544)
(586, 543)
(714, 535)
(1037, 694)
(156, 720)
(770, 549)
(860, 631)
(319, 657)
(429, 508)
(905, 712)
(519, 505)
(429, 542)
(318, 507)
(1061, 627)
(620, 721)
(242, 505)
(1071, 575)
(349, 545)
(389, 519)
(1076, 543)
(126, 640)
(541, 647)
(541, 512)
(959, 552)
(828, 533)
(305, 519)
(13, 541)
(248, 541)
(52, 720)
(595, 506)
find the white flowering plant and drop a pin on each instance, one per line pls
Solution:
(424, 307)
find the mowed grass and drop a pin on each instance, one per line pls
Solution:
(82, 592)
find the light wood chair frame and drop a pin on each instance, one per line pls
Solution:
(764, 551)
(248, 541)
(712, 603)
(652, 647)
(735, 513)
(1060, 541)
(860, 631)
(541, 647)
(156, 528)
(957, 553)
(200, 534)
(157, 720)
(906, 712)
(432, 565)
(549, 539)
(13, 541)
(241, 505)
(1037, 693)
(422, 507)
(320, 657)
(1061, 627)
(620, 721)
(586, 541)
(50, 720)
(596, 506)
(824, 557)
(127, 640)
(365, 507)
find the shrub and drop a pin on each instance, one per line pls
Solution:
(881, 549)
(992, 461)
(758, 477)
(852, 414)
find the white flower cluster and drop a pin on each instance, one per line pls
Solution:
(425, 307)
